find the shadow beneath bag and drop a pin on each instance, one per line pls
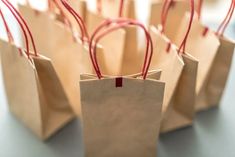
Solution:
(68, 141)
(203, 139)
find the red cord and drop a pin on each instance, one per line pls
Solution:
(78, 19)
(20, 19)
(199, 9)
(121, 8)
(65, 18)
(22, 28)
(227, 19)
(119, 23)
(165, 10)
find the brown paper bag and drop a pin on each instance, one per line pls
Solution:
(121, 115)
(219, 73)
(110, 8)
(215, 79)
(69, 57)
(179, 73)
(121, 121)
(175, 14)
(180, 112)
(203, 46)
(36, 97)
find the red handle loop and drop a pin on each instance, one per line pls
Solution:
(65, 18)
(165, 10)
(166, 7)
(79, 20)
(22, 23)
(110, 26)
(227, 19)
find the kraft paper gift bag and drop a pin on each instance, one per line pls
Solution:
(36, 97)
(180, 112)
(221, 66)
(202, 44)
(111, 8)
(121, 115)
(220, 71)
(35, 94)
(214, 84)
(121, 121)
(70, 58)
(177, 10)
(179, 73)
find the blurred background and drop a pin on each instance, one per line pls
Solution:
(211, 136)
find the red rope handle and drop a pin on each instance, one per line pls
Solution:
(119, 23)
(65, 18)
(78, 19)
(199, 9)
(22, 23)
(227, 19)
(165, 10)
(121, 8)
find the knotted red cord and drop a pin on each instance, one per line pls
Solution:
(79, 20)
(227, 19)
(20, 19)
(119, 23)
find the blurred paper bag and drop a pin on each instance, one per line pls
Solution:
(220, 71)
(68, 57)
(71, 58)
(179, 73)
(121, 115)
(111, 8)
(202, 44)
(35, 94)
